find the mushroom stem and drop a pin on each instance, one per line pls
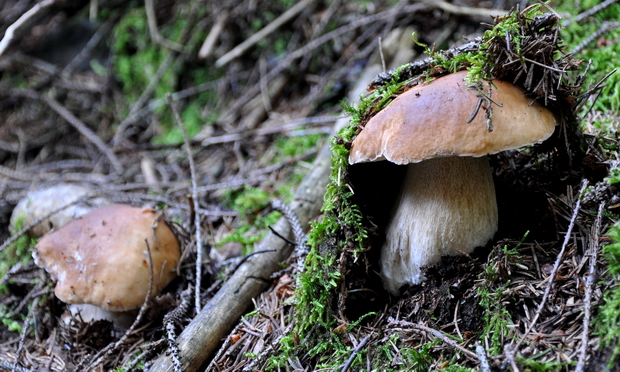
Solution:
(445, 205)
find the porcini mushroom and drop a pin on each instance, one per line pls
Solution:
(447, 201)
(102, 259)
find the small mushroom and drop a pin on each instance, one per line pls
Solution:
(40, 203)
(447, 202)
(101, 258)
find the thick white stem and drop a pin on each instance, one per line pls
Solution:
(445, 205)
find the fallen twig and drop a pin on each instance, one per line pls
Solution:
(169, 321)
(216, 30)
(75, 122)
(357, 349)
(13, 367)
(292, 125)
(23, 24)
(146, 94)
(515, 348)
(156, 37)
(595, 9)
(593, 245)
(482, 358)
(465, 10)
(251, 92)
(436, 333)
(197, 221)
(260, 35)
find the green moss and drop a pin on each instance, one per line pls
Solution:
(533, 365)
(343, 224)
(608, 317)
(604, 51)
(136, 60)
(18, 252)
(253, 223)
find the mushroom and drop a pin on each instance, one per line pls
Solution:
(101, 258)
(42, 202)
(446, 204)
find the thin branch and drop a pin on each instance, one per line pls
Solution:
(193, 174)
(554, 271)
(605, 27)
(24, 230)
(75, 122)
(13, 367)
(292, 125)
(156, 37)
(169, 320)
(308, 48)
(22, 336)
(434, 332)
(260, 35)
(357, 349)
(465, 10)
(101, 33)
(216, 30)
(137, 107)
(482, 358)
(593, 246)
(23, 24)
(595, 9)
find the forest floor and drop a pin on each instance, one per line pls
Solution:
(258, 86)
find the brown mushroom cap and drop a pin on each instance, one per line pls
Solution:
(101, 257)
(430, 120)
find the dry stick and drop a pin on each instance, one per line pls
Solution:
(13, 367)
(133, 117)
(605, 27)
(286, 62)
(85, 131)
(75, 122)
(595, 9)
(260, 35)
(513, 349)
(133, 197)
(169, 321)
(156, 37)
(102, 32)
(202, 336)
(105, 352)
(216, 30)
(465, 10)
(482, 358)
(434, 332)
(593, 246)
(144, 97)
(292, 125)
(185, 93)
(19, 175)
(327, 15)
(22, 336)
(193, 173)
(23, 24)
(220, 185)
(359, 347)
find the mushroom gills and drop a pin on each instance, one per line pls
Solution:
(445, 205)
